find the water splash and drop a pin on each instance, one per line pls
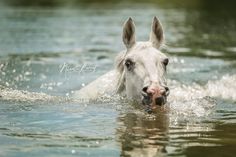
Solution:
(10, 94)
(199, 100)
(184, 100)
(224, 88)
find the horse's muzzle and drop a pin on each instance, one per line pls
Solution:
(149, 98)
(150, 101)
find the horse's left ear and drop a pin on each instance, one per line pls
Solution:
(129, 33)
(157, 34)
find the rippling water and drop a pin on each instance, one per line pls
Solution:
(38, 117)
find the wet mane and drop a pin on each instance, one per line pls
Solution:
(120, 71)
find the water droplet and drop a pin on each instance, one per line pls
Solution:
(73, 151)
(27, 73)
(59, 83)
(7, 84)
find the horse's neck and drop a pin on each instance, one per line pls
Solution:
(104, 85)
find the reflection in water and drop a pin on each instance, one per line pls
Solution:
(217, 142)
(141, 135)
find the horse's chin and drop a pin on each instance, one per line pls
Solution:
(154, 104)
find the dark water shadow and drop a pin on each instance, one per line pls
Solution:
(212, 26)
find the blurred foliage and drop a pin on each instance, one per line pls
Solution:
(206, 4)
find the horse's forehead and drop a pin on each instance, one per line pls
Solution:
(145, 50)
(140, 46)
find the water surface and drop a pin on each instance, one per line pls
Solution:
(38, 118)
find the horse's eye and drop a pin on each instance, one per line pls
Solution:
(129, 64)
(165, 61)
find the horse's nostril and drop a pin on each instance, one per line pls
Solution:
(167, 91)
(146, 101)
(159, 101)
(145, 89)
(146, 97)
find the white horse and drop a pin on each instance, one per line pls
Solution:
(139, 72)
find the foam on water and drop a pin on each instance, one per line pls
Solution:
(10, 94)
(199, 100)
(224, 88)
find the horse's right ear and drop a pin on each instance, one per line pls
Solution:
(129, 33)
(157, 35)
